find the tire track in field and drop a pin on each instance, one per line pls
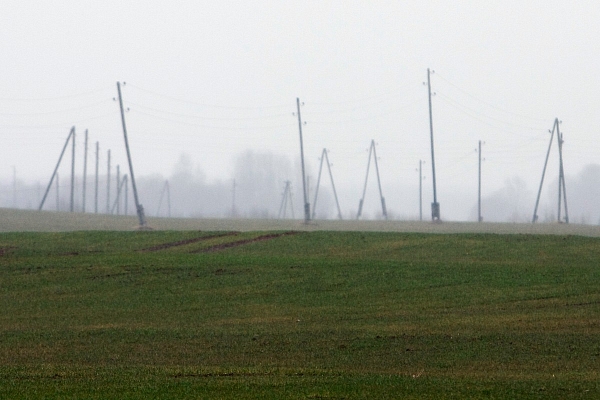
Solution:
(238, 243)
(165, 246)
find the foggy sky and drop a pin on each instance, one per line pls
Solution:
(216, 80)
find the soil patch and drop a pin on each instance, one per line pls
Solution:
(165, 246)
(229, 245)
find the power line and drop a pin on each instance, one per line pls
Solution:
(462, 108)
(246, 127)
(206, 104)
(489, 104)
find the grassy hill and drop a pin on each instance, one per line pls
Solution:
(288, 314)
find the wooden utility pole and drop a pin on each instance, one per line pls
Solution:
(138, 206)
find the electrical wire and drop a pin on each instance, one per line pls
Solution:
(56, 111)
(468, 111)
(271, 116)
(489, 104)
(206, 104)
(367, 118)
(211, 126)
(95, 91)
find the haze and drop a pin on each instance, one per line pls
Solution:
(211, 89)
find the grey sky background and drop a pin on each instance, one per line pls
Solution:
(213, 79)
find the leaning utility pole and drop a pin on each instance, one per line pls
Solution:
(138, 206)
(435, 206)
(71, 133)
(306, 203)
(85, 153)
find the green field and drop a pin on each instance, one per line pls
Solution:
(307, 315)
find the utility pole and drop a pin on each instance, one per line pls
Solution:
(14, 187)
(325, 158)
(372, 152)
(117, 204)
(71, 133)
(108, 183)
(435, 206)
(126, 178)
(233, 211)
(561, 176)
(118, 188)
(138, 206)
(96, 181)
(420, 190)
(562, 192)
(479, 217)
(287, 195)
(162, 193)
(337, 203)
(57, 193)
(72, 203)
(85, 154)
(306, 203)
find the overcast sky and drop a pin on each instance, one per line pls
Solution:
(211, 79)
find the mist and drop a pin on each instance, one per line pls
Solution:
(257, 184)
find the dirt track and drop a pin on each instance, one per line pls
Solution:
(27, 220)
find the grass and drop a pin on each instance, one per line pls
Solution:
(304, 315)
